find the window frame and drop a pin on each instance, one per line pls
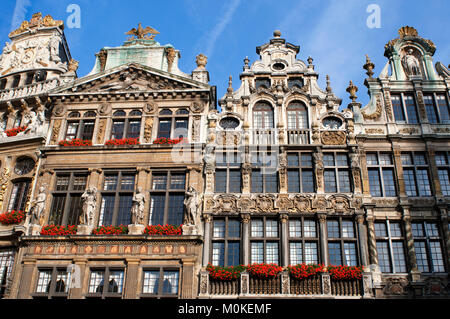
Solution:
(52, 293)
(381, 168)
(160, 293)
(226, 239)
(342, 240)
(81, 126)
(300, 168)
(445, 187)
(427, 239)
(126, 119)
(336, 168)
(105, 294)
(404, 108)
(389, 239)
(415, 168)
(228, 166)
(303, 239)
(265, 239)
(173, 117)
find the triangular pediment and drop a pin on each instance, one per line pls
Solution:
(131, 78)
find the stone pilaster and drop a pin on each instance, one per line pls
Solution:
(434, 171)
(443, 213)
(406, 217)
(78, 275)
(399, 170)
(322, 216)
(245, 238)
(26, 279)
(189, 290)
(284, 239)
(132, 278)
(207, 235)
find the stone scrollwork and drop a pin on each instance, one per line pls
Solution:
(4, 179)
(375, 115)
(333, 137)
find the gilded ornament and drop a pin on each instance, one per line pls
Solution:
(142, 33)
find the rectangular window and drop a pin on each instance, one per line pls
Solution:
(428, 247)
(167, 198)
(443, 108)
(415, 174)
(410, 106)
(303, 241)
(381, 174)
(390, 246)
(430, 108)
(160, 283)
(106, 283)
(6, 265)
(228, 173)
(397, 108)
(117, 194)
(19, 193)
(300, 173)
(342, 242)
(443, 167)
(226, 239)
(264, 241)
(336, 174)
(52, 283)
(66, 206)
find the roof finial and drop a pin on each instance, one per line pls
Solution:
(230, 85)
(329, 89)
(276, 33)
(369, 66)
(246, 62)
(352, 89)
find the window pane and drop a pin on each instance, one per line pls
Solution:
(220, 181)
(310, 228)
(219, 229)
(421, 256)
(177, 181)
(417, 230)
(107, 210)
(124, 213)
(406, 159)
(257, 252)
(329, 181)
(430, 109)
(311, 253)
(328, 159)
(181, 128)
(257, 181)
(295, 253)
(44, 278)
(115, 283)
(371, 159)
(88, 130)
(271, 228)
(383, 256)
(233, 256)
(257, 228)
(410, 106)
(271, 183)
(295, 228)
(443, 107)
(380, 230)
(110, 182)
(410, 182)
(235, 181)
(57, 210)
(333, 228)
(399, 256)
(292, 160)
(272, 253)
(347, 229)
(170, 282)
(389, 182)
(350, 254)
(127, 182)
(72, 129)
(234, 229)
(117, 129)
(151, 282)
(432, 230)
(385, 159)
(157, 209)
(96, 281)
(159, 181)
(397, 107)
(440, 158)
(218, 254)
(395, 230)
(134, 129)
(176, 209)
(436, 256)
(344, 181)
(334, 252)
(75, 208)
(79, 183)
(293, 181)
(374, 182)
(62, 182)
(164, 128)
(423, 182)
(341, 160)
(307, 181)
(306, 160)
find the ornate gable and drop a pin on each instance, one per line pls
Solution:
(131, 78)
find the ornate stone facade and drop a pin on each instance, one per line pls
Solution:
(281, 174)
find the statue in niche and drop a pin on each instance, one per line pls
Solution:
(137, 210)
(192, 205)
(53, 47)
(89, 200)
(34, 123)
(410, 63)
(38, 206)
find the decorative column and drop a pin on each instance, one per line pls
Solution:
(322, 216)
(406, 217)
(318, 167)
(207, 239)
(362, 238)
(282, 171)
(284, 239)
(245, 237)
(26, 279)
(356, 173)
(399, 169)
(246, 173)
(131, 278)
(434, 170)
(443, 213)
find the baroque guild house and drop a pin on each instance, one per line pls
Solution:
(130, 183)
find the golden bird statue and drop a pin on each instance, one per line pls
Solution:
(141, 33)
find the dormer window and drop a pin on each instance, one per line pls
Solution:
(295, 82)
(262, 82)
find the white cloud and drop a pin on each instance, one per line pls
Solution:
(20, 11)
(215, 32)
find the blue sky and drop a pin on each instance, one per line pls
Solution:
(333, 33)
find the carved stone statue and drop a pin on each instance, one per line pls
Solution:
(318, 160)
(137, 209)
(192, 205)
(209, 157)
(410, 63)
(34, 122)
(89, 199)
(53, 47)
(38, 206)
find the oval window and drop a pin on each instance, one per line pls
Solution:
(332, 122)
(24, 166)
(278, 66)
(229, 123)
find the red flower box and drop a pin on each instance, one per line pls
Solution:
(170, 141)
(225, 273)
(57, 230)
(164, 230)
(123, 141)
(264, 270)
(16, 130)
(345, 272)
(12, 217)
(75, 142)
(110, 230)
(301, 271)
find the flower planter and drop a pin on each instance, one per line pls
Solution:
(264, 270)
(12, 217)
(75, 142)
(345, 272)
(122, 141)
(16, 130)
(220, 273)
(57, 230)
(170, 141)
(163, 230)
(302, 271)
(110, 230)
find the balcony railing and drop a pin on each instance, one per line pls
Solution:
(27, 90)
(271, 137)
(296, 137)
(284, 285)
(264, 137)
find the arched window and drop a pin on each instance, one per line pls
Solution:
(173, 126)
(297, 116)
(78, 127)
(263, 116)
(126, 127)
(18, 198)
